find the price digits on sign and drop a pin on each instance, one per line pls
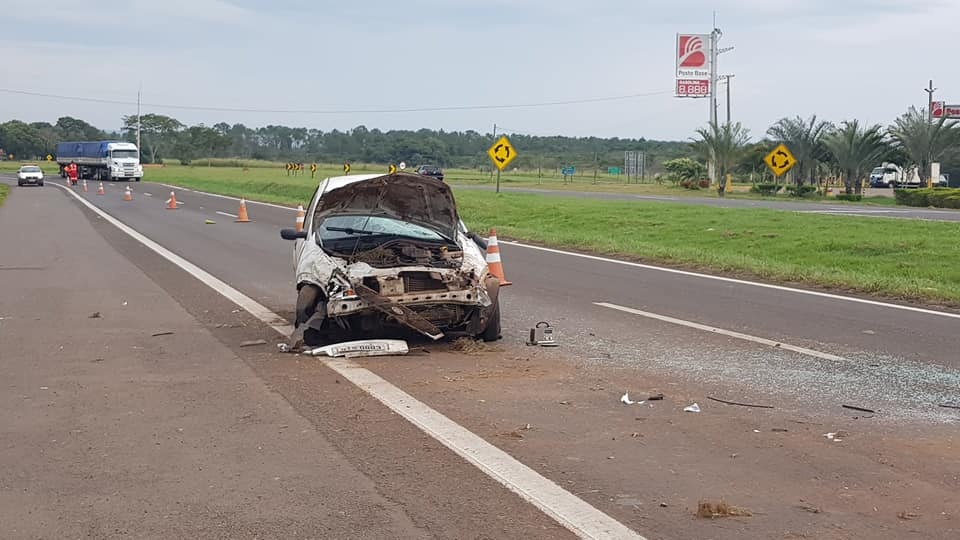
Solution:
(686, 89)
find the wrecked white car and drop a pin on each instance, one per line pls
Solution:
(385, 252)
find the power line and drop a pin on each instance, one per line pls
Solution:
(338, 111)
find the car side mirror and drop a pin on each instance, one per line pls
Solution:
(292, 234)
(477, 239)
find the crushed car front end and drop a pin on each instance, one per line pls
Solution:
(391, 251)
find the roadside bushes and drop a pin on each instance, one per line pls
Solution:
(801, 191)
(766, 189)
(849, 196)
(936, 197)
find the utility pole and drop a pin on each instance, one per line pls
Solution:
(498, 168)
(139, 91)
(728, 77)
(930, 90)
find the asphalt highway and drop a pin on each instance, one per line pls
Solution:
(807, 351)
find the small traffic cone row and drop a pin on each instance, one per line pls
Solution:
(100, 189)
(300, 217)
(242, 213)
(493, 259)
(84, 186)
(128, 195)
(172, 202)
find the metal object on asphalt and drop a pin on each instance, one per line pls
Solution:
(741, 404)
(366, 347)
(253, 343)
(855, 408)
(542, 335)
(692, 408)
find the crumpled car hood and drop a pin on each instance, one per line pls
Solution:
(409, 197)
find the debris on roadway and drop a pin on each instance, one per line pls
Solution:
(542, 334)
(692, 408)
(711, 510)
(253, 343)
(366, 347)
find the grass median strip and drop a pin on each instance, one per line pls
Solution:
(915, 260)
(918, 260)
(4, 189)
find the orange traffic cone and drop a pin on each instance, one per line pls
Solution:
(493, 259)
(84, 186)
(128, 195)
(172, 202)
(242, 213)
(100, 189)
(300, 216)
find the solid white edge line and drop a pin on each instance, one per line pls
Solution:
(565, 508)
(729, 333)
(226, 214)
(675, 271)
(737, 281)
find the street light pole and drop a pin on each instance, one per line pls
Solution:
(930, 90)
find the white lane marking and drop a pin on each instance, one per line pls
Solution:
(148, 194)
(226, 214)
(850, 211)
(566, 508)
(737, 281)
(729, 333)
(693, 274)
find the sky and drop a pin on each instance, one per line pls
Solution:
(326, 65)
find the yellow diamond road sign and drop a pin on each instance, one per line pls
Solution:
(502, 153)
(780, 160)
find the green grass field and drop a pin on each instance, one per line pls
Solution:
(917, 260)
(4, 189)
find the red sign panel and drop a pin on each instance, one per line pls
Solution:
(940, 110)
(691, 51)
(693, 87)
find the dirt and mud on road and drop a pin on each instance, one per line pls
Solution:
(846, 474)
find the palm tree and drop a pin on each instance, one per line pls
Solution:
(803, 138)
(722, 145)
(856, 149)
(922, 140)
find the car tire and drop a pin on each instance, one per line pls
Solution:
(492, 332)
(41, 183)
(19, 184)
(307, 299)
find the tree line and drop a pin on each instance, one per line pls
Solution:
(166, 138)
(823, 149)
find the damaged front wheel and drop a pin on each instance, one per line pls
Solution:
(307, 300)
(492, 331)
